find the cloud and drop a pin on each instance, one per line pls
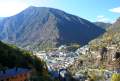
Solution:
(115, 10)
(10, 8)
(102, 18)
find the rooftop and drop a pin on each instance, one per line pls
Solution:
(12, 72)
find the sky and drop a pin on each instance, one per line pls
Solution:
(93, 10)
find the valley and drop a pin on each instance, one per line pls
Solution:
(49, 44)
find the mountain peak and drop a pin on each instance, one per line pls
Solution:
(42, 27)
(118, 20)
(103, 25)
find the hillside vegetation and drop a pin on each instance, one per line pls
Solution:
(111, 37)
(11, 56)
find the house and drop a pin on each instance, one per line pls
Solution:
(83, 50)
(15, 74)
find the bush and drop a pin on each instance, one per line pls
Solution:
(115, 77)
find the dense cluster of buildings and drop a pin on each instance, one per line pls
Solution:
(61, 59)
(57, 59)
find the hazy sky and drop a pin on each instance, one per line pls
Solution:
(93, 10)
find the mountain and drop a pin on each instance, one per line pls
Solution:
(41, 27)
(116, 26)
(1, 18)
(111, 37)
(103, 25)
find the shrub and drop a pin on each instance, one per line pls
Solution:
(115, 77)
